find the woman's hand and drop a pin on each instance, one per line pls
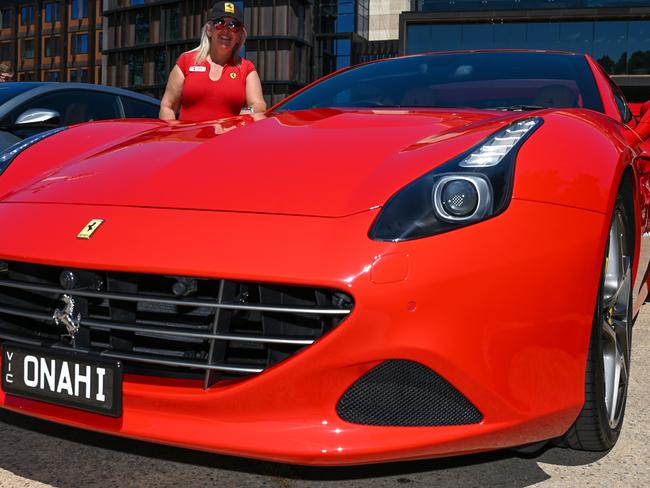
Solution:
(171, 100)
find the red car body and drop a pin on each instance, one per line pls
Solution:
(502, 309)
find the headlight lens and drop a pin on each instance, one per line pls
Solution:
(474, 186)
(9, 154)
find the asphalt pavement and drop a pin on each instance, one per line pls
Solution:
(35, 453)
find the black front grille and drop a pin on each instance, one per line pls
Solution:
(408, 394)
(168, 325)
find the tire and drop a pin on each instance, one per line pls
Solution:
(599, 423)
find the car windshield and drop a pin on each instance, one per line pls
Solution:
(10, 90)
(483, 80)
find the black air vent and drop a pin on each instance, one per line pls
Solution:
(169, 325)
(407, 394)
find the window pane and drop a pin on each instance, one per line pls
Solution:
(75, 106)
(610, 43)
(638, 49)
(543, 36)
(577, 36)
(139, 109)
(510, 36)
(479, 80)
(28, 49)
(477, 36)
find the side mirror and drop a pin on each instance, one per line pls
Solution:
(38, 117)
(643, 128)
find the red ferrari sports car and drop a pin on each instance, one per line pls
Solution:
(424, 256)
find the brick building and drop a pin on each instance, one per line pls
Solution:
(52, 40)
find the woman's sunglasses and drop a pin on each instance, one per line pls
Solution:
(231, 25)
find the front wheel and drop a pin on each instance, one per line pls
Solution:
(608, 364)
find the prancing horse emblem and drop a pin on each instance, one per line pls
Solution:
(90, 228)
(67, 318)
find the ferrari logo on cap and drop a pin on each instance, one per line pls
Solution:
(90, 228)
(233, 75)
(229, 7)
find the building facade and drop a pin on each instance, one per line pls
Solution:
(52, 40)
(615, 32)
(143, 39)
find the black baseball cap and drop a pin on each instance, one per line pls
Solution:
(226, 9)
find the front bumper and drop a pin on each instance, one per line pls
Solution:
(502, 310)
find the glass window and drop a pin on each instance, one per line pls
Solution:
(52, 12)
(510, 35)
(6, 18)
(342, 62)
(477, 36)
(433, 37)
(52, 46)
(577, 36)
(27, 15)
(141, 27)
(75, 106)
(80, 43)
(638, 47)
(172, 22)
(160, 67)
(11, 90)
(28, 49)
(343, 46)
(100, 41)
(136, 69)
(345, 23)
(542, 35)
(5, 51)
(139, 109)
(54, 76)
(610, 46)
(478, 80)
(79, 9)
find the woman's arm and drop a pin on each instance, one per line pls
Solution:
(171, 100)
(254, 95)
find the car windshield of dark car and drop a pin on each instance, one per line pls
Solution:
(483, 80)
(10, 90)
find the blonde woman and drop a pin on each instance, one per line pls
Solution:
(213, 81)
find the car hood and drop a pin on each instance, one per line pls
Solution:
(321, 162)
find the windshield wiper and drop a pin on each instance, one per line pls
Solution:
(518, 108)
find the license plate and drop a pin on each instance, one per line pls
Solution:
(66, 378)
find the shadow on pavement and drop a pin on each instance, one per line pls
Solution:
(68, 457)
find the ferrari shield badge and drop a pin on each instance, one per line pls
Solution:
(90, 228)
(230, 8)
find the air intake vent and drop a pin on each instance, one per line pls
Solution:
(406, 394)
(174, 326)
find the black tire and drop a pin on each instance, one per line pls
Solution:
(594, 429)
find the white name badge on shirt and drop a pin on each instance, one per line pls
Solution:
(197, 68)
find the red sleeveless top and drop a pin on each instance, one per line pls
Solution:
(204, 99)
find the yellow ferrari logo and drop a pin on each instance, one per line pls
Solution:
(233, 75)
(90, 228)
(229, 7)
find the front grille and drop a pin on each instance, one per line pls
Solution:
(174, 326)
(406, 394)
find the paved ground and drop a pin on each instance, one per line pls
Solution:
(37, 454)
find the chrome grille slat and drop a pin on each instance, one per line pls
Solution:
(226, 328)
(101, 324)
(188, 303)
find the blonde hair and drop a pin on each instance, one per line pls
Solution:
(203, 49)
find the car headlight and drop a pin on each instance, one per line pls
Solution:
(472, 187)
(9, 154)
